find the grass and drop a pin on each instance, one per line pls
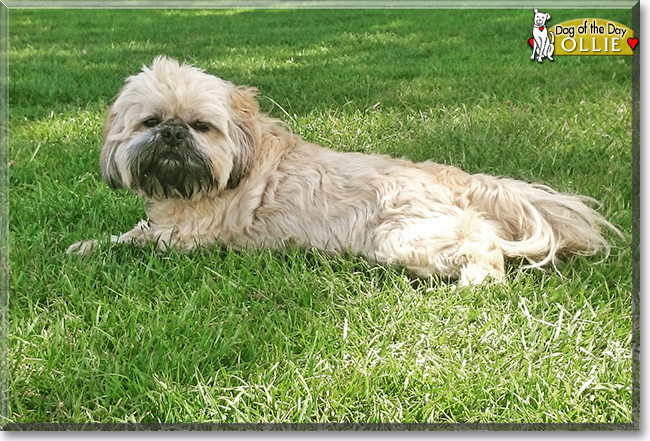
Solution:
(129, 335)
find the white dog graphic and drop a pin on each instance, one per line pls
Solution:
(543, 45)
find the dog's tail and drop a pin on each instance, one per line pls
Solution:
(552, 37)
(535, 221)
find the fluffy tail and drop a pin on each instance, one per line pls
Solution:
(535, 221)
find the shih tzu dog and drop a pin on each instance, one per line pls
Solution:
(214, 170)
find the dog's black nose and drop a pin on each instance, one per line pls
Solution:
(174, 133)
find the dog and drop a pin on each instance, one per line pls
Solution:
(543, 45)
(213, 169)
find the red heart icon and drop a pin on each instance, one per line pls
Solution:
(532, 42)
(632, 42)
(541, 28)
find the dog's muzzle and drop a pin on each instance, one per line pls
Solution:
(169, 164)
(174, 133)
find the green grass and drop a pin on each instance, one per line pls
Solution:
(129, 335)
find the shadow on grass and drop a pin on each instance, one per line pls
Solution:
(303, 59)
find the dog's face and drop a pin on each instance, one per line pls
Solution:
(541, 17)
(176, 132)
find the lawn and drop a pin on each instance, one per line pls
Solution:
(130, 335)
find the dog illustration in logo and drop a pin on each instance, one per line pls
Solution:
(542, 44)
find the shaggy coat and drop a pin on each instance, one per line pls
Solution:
(213, 169)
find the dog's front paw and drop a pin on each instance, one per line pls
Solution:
(83, 248)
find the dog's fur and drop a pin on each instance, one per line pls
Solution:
(213, 169)
(543, 45)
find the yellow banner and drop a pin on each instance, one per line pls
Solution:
(593, 36)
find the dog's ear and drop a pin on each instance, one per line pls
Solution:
(548, 16)
(243, 136)
(536, 10)
(107, 163)
(243, 131)
(243, 102)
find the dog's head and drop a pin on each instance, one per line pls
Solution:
(541, 17)
(176, 131)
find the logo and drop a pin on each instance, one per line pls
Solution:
(583, 36)
(543, 40)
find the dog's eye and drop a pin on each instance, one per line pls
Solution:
(150, 122)
(201, 126)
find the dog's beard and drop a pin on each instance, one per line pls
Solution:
(161, 170)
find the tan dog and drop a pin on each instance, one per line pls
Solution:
(214, 170)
